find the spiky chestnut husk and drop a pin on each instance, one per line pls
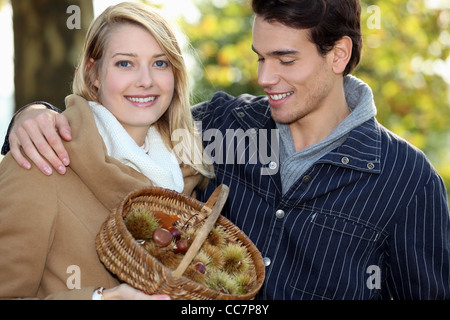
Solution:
(151, 248)
(170, 259)
(192, 272)
(216, 237)
(244, 281)
(141, 223)
(202, 257)
(235, 259)
(189, 234)
(221, 281)
(214, 254)
(166, 255)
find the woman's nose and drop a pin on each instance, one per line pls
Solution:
(145, 78)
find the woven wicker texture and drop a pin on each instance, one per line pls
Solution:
(124, 257)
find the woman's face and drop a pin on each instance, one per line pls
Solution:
(136, 80)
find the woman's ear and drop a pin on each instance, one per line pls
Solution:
(342, 53)
(93, 72)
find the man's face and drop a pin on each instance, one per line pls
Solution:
(297, 79)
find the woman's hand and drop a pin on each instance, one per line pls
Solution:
(37, 131)
(125, 292)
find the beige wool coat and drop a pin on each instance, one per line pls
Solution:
(48, 224)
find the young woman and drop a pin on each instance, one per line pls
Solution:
(130, 92)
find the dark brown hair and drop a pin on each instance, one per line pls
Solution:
(327, 20)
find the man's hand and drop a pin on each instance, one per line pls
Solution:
(37, 131)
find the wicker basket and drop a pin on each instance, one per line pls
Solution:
(124, 257)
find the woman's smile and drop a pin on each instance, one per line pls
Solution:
(142, 101)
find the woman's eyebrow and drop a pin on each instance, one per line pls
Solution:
(125, 54)
(134, 55)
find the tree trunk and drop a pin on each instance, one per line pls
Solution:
(47, 47)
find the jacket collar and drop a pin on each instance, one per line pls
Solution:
(361, 150)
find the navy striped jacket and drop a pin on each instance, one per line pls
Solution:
(369, 220)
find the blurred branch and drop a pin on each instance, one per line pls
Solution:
(46, 49)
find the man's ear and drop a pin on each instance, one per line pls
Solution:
(342, 52)
(93, 72)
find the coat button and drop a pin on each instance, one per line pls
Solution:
(267, 261)
(345, 160)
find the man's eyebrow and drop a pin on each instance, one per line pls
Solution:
(276, 53)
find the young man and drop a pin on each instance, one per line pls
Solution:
(345, 209)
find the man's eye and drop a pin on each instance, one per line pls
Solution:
(287, 63)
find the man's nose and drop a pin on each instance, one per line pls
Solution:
(267, 75)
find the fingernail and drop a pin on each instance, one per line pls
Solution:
(26, 165)
(62, 169)
(66, 161)
(47, 170)
(66, 133)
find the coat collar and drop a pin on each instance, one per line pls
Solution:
(108, 179)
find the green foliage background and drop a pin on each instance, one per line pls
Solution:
(406, 50)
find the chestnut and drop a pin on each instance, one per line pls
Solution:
(181, 246)
(200, 267)
(176, 233)
(162, 237)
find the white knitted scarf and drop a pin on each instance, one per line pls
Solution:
(153, 160)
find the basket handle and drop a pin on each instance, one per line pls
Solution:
(213, 199)
(218, 199)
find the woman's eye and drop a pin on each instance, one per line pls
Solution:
(124, 64)
(161, 64)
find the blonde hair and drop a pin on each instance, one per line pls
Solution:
(178, 116)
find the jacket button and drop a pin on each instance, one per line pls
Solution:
(273, 165)
(267, 261)
(345, 160)
(306, 179)
(280, 214)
